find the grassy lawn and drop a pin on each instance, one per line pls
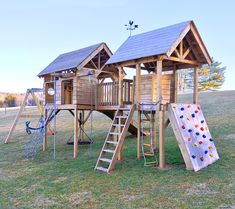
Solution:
(67, 183)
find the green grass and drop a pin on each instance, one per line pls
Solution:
(68, 183)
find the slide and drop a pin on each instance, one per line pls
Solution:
(193, 136)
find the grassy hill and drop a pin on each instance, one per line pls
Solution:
(67, 183)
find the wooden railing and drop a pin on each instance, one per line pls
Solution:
(108, 93)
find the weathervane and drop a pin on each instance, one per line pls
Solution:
(131, 26)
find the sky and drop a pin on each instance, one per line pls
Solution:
(34, 33)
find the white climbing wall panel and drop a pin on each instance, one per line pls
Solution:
(193, 135)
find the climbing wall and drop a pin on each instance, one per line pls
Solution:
(193, 135)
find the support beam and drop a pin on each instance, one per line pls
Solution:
(82, 114)
(137, 102)
(17, 117)
(175, 81)
(120, 103)
(181, 48)
(120, 88)
(186, 61)
(162, 137)
(39, 106)
(75, 129)
(195, 86)
(161, 117)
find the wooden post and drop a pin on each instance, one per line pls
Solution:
(161, 137)
(17, 117)
(120, 103)
(154, 131)
(175, 80)
(82, 115)
(195, 86)
(120, 88)
(75, 129)
(138, 80)
(161, 117)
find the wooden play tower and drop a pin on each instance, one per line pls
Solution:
(93, 78)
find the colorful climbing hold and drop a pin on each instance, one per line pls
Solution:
(202, 129)
(182, 109)
(193, 156)
(197, 133)
(204, 136)
(196, 144)
(211, 154)
(181, 116)
(201, 158)
(196, 126)
(202, 121)
(206, 128)
(193, 115)
(190, 130)
(188, 118)
(200, 142)
(206, 152)
(174, 106)
(211, 139)
(189, 106)
(183, 126)
(189, 139)
(209, 147)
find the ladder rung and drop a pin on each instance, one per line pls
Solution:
(115, 124)
(106, 160)
(102, 169)
(121, 116)
(114, 133)
(108, 150)
(148, 154)
(145, 119)
(147, 145)
(111, 142)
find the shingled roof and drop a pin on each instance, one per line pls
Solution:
(152, 43)
(70, 60)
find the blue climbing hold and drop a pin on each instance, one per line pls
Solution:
(211, 139)
(181, 116)
(182, 109)
(193, 115)
(190, 130)
(202, 121)
(204, 136)
(193, 156)
(206, 152)
(197, 133)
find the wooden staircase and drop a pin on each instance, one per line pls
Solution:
(115, 138)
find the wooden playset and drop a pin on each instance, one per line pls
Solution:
(93, 79)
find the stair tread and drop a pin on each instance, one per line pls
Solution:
(114, 133)
(121, 116)
(106, 160)
(115, 124)
(111, 142)
(108, 150)
(102, 169)
(149, 154)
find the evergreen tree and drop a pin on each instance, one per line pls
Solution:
(210, 77)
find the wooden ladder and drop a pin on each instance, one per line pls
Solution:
(115, 138)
